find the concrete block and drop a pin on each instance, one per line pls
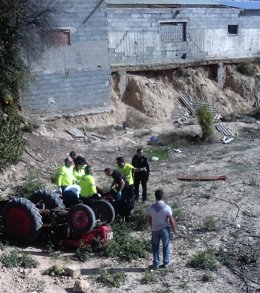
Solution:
(74, 271)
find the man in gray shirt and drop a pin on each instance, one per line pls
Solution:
(160, 220)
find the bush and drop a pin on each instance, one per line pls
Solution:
(205, 120)
(210, 224)
(149, 278)
(83, 253)
(204, 260)
(112, 279)
(124, 246)
(55, 271)
(246, 68)
(30, 184)
(11, 143)
(15, 259)
(138, 219)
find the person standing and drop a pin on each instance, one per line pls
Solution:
(65, 175)
(88, 186)
(160, 220)
(140, 162)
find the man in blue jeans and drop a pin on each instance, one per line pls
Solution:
(159, 218)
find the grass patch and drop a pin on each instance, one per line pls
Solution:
(124, 246)
(83, 253)
(204, 260)
(178, 213)
(112, 279)
(31, 183)
(207, 277)
(15, 259)
(239, 167)
(149, 278)
(184, 284)
(160, 153)
(55, 271)
(210, 224)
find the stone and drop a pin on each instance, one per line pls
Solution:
(73, 271)
(81, 286)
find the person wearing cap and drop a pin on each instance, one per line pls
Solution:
(78, 159)
(87, 184)
(65, 175)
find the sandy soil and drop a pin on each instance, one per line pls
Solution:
(234, 203)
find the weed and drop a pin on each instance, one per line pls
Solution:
(207, 277)
(227, 258)
(252, 182)
(149, 278)
(83, 253)
(181, 250)
(177, 212)
(124, 246)
(246, 68)
(112, 279)
(205, 120)
(55, 271)
(31, 183)
(239, 167)
(204, 260)
(210, 224)
(160, 153)
(138, 219)
(16, 259)
(184, 284)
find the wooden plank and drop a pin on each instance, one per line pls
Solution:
(202, 178)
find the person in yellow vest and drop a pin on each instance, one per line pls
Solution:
(65, 175)
(127, 170)
(88, 186)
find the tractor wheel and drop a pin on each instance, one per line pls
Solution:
(22, 220)
(50, 199)
(81, 219)
(104, 211)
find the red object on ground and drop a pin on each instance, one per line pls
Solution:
(202, 178)
(100, 233)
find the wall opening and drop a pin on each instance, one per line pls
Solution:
(173, 31)
(61, 37)
(232, 29)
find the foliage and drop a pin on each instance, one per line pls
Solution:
(160, 153)
(138, 219)
(55, 271)
(15, 259)
(207, 277)
(25, 29)
(112, 279)
(31, 183)
(149, 278)
(210, 224)
(205, 120)
(240, 167)
(204, 260)
(124, 246)
(12, 143)
(83, 253)
(246, 68)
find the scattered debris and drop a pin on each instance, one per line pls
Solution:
(154, 159)
(245, 119)
(227, 140)
(202, 178)
(81, 286)
(177, 150)
(221, 128)
(89, 137)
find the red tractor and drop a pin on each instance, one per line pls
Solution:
(23, 220)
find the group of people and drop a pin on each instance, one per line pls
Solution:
(76, 183)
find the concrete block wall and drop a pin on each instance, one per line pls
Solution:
(135, 37)
(74, 78)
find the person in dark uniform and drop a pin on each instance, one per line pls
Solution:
(124, 200)
(140, 162)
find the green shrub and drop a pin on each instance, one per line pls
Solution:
(246, 68)
(204, 260)
(138, 219)
(112, 279)
(124, 246)
(207, 277)
(12, 142)
(149, 278)
(55, 271)
(31, 183)
(83, 253)
(210, 224)
(205, 120)
(15, 259)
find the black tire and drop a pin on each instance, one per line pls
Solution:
(50, 199)
(104, 211)
(81, 219)
(22, 220)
